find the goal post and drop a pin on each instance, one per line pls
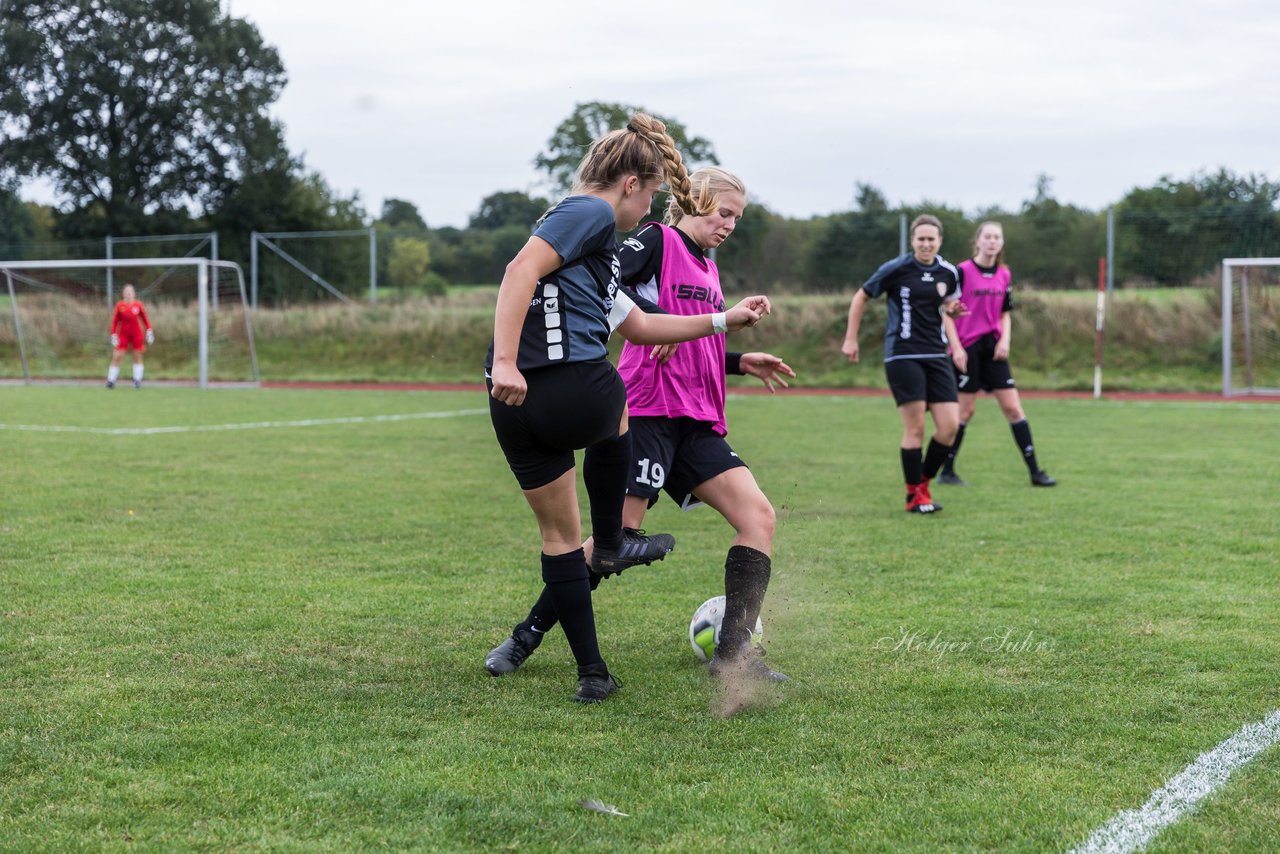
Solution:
(59, 323)
(1250, 326)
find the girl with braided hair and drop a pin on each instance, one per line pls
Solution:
(552, 389)
(676, 407)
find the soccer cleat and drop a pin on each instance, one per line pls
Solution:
(137, 383)
(593, 689)
(919, 500)
(110, 384)
(1040, 477)
(749, 663)
(636, 549)
(507, 656)
(950, 478)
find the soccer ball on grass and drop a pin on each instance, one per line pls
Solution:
(704, 628)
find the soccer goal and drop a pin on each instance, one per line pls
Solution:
(59, 314)
(1250, 326)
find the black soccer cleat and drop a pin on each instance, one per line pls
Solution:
(593, 689)
(749, 663)
(110, 384)
(950, 478)
(137, 383)
(1040, 477)
(636, 549)
(507, 656)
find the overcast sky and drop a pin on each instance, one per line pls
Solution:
(962, 103)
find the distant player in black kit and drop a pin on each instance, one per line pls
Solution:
(918, 288)
(980, 349)
(552, 389)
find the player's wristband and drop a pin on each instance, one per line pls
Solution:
(719, 322)
(733, 363)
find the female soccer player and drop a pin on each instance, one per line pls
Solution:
(980, 349)
(130, 330)
(676, 403)
(552, 389)
(920, 285)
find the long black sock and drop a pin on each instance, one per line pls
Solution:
(949, 465)
(1022, 435)
(569, 588)
(542, 616)
(746, 578)
(604, 471)
(911, 466)
(934, 458)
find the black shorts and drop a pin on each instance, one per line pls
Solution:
(985, 373)
(932, 380)
(675, 455)
(567, 408)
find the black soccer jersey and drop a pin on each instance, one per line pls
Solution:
(914, 296)
(568, 317)
(641, 259)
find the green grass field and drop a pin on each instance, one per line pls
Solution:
(272, 637)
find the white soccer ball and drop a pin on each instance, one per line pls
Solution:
(704, 628)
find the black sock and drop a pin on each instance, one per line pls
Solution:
(949, 466)
(1022, 435)
(604, 471)
(911, 466)
(934, 458)
(746, 578)
(542, 616)
(569, 588)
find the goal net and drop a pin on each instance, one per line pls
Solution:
(1250, 326)
(55, 318)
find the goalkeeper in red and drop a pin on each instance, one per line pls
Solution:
(130, 330)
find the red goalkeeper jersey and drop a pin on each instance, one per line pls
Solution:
(129, 319)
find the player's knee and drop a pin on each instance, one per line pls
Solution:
(757, 521)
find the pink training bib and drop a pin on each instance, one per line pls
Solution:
(691, 384)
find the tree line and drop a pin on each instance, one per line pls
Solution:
(150, 117)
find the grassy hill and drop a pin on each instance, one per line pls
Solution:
(1156, 340)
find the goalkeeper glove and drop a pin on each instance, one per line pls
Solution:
(115, 340)
(151, 337)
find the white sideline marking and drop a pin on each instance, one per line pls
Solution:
(1131, 830)
(250, 425)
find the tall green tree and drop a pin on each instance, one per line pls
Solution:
(401, 214)
(134, 106)
(1177, 231)
(17, 225)
(1049, 243)
(573, 136)
(848, 247)
(508, 208)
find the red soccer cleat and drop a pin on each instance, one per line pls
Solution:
(919, 500)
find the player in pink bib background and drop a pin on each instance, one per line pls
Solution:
(980, 349)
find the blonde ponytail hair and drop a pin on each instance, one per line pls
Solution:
(645, 149)
(708, 183)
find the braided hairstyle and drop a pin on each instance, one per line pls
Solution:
(645, 149)
(708, 183)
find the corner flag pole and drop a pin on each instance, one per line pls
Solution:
(1097, 343)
